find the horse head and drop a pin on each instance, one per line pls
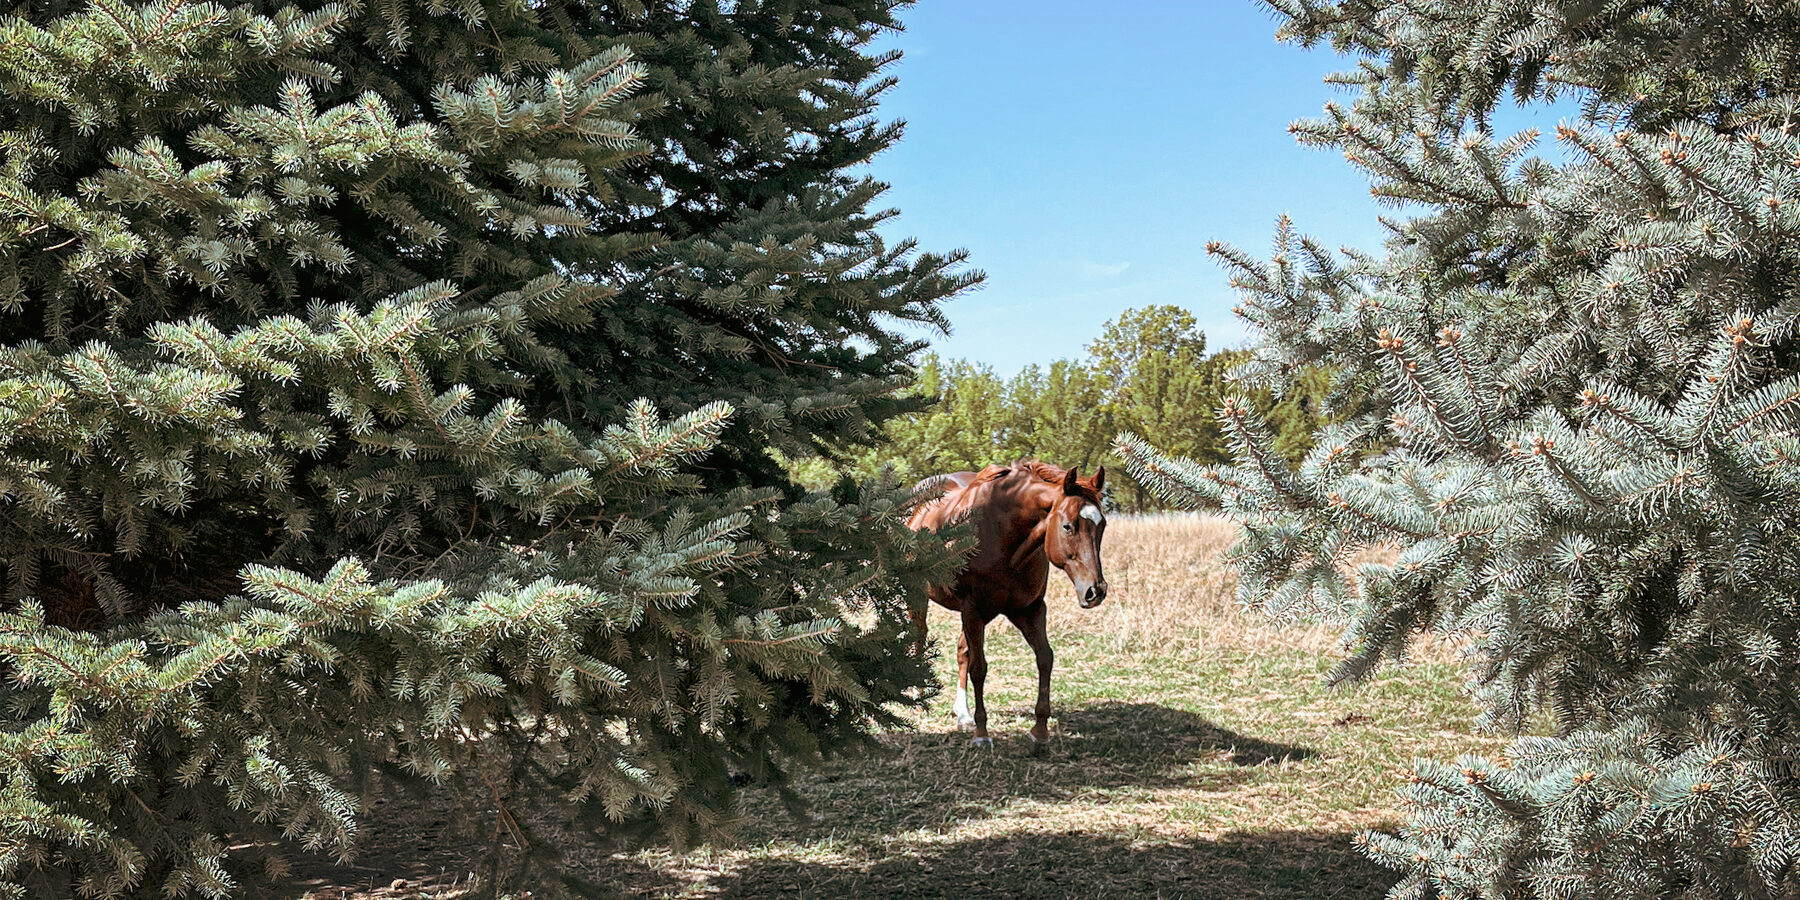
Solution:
(1072, 535)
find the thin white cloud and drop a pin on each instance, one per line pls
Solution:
(1091, 269)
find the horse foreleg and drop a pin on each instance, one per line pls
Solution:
(964, 721)
(972, 657)
(1032, 622)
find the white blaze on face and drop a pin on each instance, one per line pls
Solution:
(1091, 513)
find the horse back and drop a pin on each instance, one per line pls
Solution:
(955, 498)
(988, 579)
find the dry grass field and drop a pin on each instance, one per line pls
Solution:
(1194, 754)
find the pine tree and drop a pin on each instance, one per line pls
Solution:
(1584, 439)
(394, 391)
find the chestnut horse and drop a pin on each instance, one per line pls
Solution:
(1028, 517)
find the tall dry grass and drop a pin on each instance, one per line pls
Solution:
(1171, 586)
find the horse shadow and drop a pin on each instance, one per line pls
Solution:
(1156, 735)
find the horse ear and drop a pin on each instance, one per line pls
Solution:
(1100, 479)
(1070, 478)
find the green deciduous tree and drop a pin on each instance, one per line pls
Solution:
(396, 391)
(1584, 381)
(1123, 343)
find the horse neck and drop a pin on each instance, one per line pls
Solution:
(1025, 511)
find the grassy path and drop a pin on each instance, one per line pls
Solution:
(1194, 754)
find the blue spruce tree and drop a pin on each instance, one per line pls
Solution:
(391, 391)
(1585, 438)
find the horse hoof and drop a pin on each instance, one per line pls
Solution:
(1038, 747)
(987, 742)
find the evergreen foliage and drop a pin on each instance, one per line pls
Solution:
(395, 390)
(1585, 384)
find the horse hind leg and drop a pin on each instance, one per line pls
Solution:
(974, 632)
(1032, 623)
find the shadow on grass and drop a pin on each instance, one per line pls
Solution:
(1297, 864)
(937, 781)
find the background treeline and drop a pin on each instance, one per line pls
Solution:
(1148, 372)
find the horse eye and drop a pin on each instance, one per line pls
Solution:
(1068, 526)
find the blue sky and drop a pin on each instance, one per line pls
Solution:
(1085, 153)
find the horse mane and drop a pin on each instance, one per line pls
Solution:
(1036, 470)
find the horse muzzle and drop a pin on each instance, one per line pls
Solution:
(1093, 595)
